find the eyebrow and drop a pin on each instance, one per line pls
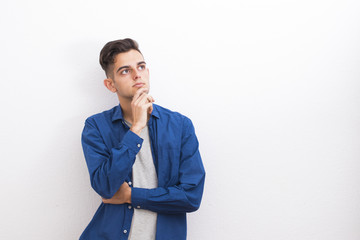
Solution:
(128, 66)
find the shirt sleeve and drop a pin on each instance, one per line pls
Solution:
(186, 195)
(108, 168)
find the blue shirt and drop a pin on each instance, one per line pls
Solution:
(110, 150)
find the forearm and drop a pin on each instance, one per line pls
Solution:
(109, 169)
(175, 199)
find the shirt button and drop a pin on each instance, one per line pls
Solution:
(138, 207)
(129, 183)
(129, 207)
(125, 231)
(139, 145)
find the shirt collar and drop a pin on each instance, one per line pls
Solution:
(119, 116)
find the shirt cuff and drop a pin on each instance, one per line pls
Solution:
(132, 141)
(138, 197)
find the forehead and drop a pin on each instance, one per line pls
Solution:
(131, 57)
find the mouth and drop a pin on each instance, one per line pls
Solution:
(138, 85)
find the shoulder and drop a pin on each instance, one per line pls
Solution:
(170, 115)
(172, 118)
(106, 116)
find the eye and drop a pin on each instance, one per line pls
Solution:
(141, 67)
(126, 71)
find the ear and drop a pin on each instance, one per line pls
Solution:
(109, 84)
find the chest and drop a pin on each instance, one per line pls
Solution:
(165, 146)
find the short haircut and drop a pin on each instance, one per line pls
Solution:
(112, 49)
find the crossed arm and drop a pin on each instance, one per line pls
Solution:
(109, 170)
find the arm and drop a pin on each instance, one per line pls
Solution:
(108, 168)
(184, 196)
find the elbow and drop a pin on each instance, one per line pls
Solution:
(102, 190)
(196, 197)
(193, 208)
(194, 202)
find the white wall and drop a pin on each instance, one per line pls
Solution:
(271, 86)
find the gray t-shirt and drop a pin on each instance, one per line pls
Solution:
(143, 225)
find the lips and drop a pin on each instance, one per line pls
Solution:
(139, 85)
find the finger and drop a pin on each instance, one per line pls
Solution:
(148, 105)
(150, 109)
(141, 99)
(138, 93)
(150, 98)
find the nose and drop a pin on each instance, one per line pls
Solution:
(136, 74)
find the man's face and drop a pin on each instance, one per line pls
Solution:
(129, 74)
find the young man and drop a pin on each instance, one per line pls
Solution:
(143, 159)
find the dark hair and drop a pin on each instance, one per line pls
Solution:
(112, 49)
